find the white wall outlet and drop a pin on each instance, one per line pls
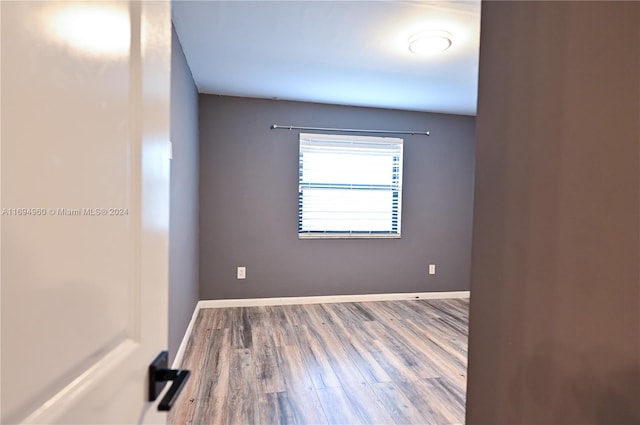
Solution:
(432, 269)
(242, 273)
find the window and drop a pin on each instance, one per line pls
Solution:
(349, 186)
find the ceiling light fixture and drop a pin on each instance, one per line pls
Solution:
(429, 42)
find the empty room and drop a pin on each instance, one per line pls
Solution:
(320, 212)
(336, 164)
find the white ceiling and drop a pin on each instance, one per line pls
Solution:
(340, 52)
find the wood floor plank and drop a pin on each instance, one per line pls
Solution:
(361, 397)
(241, 336)
(195, 355)
(267, 373)
(316, 359)
(363, 400)
(357, 338)
(268, 410)
(338, 407)
(276, 320)
(427, 397)
(300, 390)
(341, 326)
(386, 362)
(213, 392)
(284, 409)
(401, 409)
(443, 361)
(342, 312)
(242, 402)
(395, 366)
(396, 342)
(422, 348)
(453, 347)
(217, 317)
(449, 405)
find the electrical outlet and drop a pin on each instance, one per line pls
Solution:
(432, 269)
(242, 273)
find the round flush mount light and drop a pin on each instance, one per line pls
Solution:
(430, 42)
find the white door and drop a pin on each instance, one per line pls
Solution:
(85, 206)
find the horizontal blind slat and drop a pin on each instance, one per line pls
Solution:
(350, 185)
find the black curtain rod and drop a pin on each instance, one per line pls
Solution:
(348, 130)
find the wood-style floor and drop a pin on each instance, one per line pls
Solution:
(388, 362)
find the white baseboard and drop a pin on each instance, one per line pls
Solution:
(177, 360)
(252, 302)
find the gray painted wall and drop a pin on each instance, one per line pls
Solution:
(183, 232)
(555, 305)
(248, 204)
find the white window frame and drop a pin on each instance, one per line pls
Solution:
(323, 206)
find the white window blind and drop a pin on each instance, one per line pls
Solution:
(349, 186)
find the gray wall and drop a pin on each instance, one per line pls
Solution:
(555, 305)
(248, 204)
(183, 232)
